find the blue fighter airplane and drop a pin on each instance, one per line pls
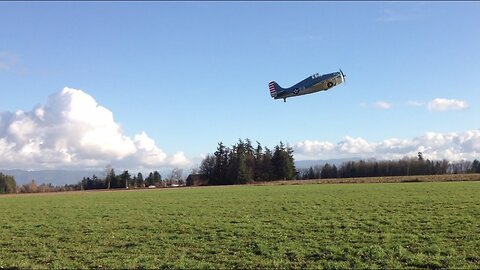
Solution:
(309, 85)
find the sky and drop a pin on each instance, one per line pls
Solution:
(151, 85)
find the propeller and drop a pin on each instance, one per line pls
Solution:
(343, 76)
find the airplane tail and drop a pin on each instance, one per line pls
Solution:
(274, 88)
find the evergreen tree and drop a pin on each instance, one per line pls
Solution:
(292, 171)
(124, 179)
(111, 179)
(133, 182)
(250, 161)
(267, 173)
(7, 184)
(310, 173)
(149, 180)
(475, 168)
(257, 167)
(326, 171)
(242, 163)
(334, 172)
(283, 163)
(140, 181)
(221, 162)
(231, 167)
(157, 178)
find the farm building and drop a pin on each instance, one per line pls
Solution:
(197, 180)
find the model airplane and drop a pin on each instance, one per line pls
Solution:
(309, 85)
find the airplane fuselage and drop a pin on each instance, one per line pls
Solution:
(311, 84)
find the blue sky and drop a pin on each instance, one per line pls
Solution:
(192, 74)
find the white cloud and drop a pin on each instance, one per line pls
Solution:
(443, 104)
(179, 160)
(8, 60)
(73, 131)
(434, 146)
(391, 15)
(383, 105)
(351, 145)
(414, 103)
(315, 146)
(149, 152)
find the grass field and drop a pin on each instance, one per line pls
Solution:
(402, 225)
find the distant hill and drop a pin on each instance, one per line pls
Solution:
(55, 177)
(305, 164)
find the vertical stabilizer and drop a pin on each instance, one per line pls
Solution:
(274, 88)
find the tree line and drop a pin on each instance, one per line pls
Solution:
(110, 181)
(242, 163)
(403, 167)
(9, 185)
(126, 180)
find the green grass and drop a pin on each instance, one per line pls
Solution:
(409, 225)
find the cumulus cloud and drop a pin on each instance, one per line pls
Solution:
(73, 131)
(312, 147)
(434, 146)
(383, 105)
(179, 160)
(443, 104)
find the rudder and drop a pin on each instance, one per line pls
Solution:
(274, 88)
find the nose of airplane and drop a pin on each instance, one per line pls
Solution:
(343, 75)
